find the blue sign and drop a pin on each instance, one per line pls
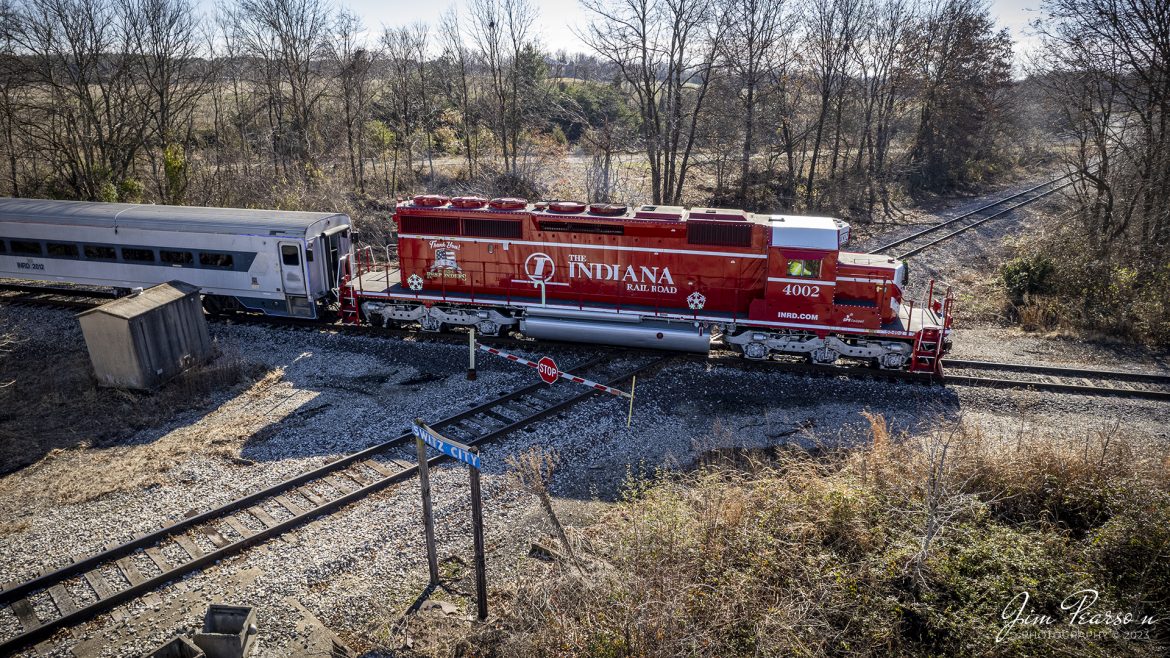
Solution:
(445, 445)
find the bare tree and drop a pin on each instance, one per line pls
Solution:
(459, 83)
(288, 38)
(403, 95)
(502, 31)
(171, 81)
(664, 51)
(11, 81)
(832, 34)
(1107, 66)
(962, 63)
(755, 42)
(84, 115)
(354, 61)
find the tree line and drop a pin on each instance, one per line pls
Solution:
(846, 105)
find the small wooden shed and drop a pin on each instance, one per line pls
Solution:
(145, 339)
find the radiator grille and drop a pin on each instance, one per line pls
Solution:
(721, 234)
(430, 225)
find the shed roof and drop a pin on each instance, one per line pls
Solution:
(144, 216)
(145, 301)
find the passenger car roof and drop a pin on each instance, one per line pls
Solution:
(150, 217)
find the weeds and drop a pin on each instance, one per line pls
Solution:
(902, 547)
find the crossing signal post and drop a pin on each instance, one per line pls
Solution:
(425, 436)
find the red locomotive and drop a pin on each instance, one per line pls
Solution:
(652, 276)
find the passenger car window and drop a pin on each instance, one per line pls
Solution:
(134, 255)
(26, 248)
(3, 246)
(98, 252)
(60, 250)
(804, 268)
(176, 257)
(290, 255)
(216, 260)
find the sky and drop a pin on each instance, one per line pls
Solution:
(558, 16)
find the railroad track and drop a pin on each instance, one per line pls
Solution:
(1057, 378)
(928, 237)
(78, 299)
(91, 585)
(956, 372)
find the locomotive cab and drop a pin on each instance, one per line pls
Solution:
(802, 270)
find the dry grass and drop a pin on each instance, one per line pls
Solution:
(70, 440)
(904, 547)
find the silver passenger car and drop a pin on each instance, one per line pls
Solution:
(270, 261)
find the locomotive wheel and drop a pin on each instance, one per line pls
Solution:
(754, 351)
(487, 328)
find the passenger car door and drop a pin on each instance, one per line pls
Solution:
(292, 270)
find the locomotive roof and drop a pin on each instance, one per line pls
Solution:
(151, 217)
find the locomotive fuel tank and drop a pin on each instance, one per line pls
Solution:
(627, 331)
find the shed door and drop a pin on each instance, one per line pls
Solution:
(292, 270)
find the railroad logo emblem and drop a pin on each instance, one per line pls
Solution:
(696, 300)
(414, 282)
(540, 267)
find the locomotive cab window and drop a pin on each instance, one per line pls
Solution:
(290, 255)
(179, 258)
(807, 269)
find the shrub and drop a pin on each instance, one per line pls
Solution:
(825, 555)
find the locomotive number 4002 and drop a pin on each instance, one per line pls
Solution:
(802, 291)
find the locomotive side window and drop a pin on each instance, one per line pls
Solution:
(289, 255)
(809, 269)
(223, 261)
(137, 255)
(26, 248)
(98, 252)
(176, 257)
(61, 250)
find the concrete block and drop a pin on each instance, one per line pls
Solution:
(228, 631)
(179, 647)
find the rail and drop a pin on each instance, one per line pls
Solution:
(974, 217)
(302, 498)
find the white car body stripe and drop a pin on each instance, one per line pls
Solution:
(811, 282)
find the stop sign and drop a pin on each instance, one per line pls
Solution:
(547, 368)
